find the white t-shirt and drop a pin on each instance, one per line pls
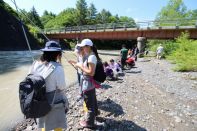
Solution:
(55, 79)
(91, 59)
(160, 49)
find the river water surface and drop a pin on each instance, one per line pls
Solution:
(14, 66)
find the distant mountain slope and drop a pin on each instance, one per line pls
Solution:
(11, 34)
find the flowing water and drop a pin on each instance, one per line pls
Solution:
(14, 66)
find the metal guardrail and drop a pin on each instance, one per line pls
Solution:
(164, 24)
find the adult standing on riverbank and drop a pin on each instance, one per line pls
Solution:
(87, 84)
(123, 55)
(159, 51)
(55, 84)
(135, 52)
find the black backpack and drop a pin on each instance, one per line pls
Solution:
(99, 75)
(32, 96)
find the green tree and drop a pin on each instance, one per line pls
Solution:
(194, 14)
(24, 15)
(174, 10)
(103, 16)
(8, 8)
(81, 14)
(64, 18)
(92, 12)
(130, 22)
(35, 18)
(46, 17)
(113, 19)
(185, 55)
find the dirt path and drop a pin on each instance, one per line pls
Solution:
(149, 97)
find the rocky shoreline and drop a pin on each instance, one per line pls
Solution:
(149, 96)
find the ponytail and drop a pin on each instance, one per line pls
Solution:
(94, 49)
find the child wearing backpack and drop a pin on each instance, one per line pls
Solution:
(88, 83)
(55, 84)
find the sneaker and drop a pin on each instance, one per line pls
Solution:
(85, 124)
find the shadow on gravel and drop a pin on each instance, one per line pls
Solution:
(121, 74)
(123, 125)
(134, 72)
(105, 86)
(111, 107)
(114, 79)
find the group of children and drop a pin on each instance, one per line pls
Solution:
(112, 69)
(128, 58)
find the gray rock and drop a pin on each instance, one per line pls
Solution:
(177, 119)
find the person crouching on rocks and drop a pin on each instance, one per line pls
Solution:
(88, 88)
(115, 67)
(108, 70)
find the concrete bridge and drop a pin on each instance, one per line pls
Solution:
(126, 31)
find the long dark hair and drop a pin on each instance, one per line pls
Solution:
(50, 56)
(94, 49)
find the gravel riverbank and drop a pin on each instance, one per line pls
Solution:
(149, 96)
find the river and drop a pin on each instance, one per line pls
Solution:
(14, 66)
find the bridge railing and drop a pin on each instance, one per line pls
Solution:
(185, 23)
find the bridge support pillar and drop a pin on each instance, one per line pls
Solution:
(141, 45)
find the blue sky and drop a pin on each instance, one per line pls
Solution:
(138, 9)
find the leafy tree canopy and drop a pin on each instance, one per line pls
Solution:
(65, 18)
(91, 14)
(34, 17)
(103, 16)
(8, 8)
(81, 7)
(46, 17)
(175, 9)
